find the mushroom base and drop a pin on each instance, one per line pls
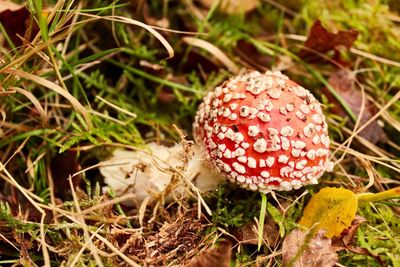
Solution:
(159, 173)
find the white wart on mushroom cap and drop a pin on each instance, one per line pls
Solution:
(264, 132)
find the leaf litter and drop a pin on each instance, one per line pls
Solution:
(322, 41)
(344, 82)
(300, 250)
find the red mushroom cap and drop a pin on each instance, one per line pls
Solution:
(264, 132)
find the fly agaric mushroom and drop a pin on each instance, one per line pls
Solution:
(261, 131)
(264, 132)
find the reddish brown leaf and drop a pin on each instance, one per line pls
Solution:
(348, 235)
(300, 251)
(343, 81)
(219, 256)
(15, 19)
(322, 41)
(347, 240)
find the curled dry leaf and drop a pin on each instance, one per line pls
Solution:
(343, 81)
(322, 41)
(218, 256)
(300, 250)
(347, 240)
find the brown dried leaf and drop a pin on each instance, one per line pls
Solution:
(15, 19)
(322, 41)
(248, 234)
(219, 256)
(347, 241)
(343, 81)
(314, 252)
(348, 234)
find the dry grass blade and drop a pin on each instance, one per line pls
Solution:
(29, 195)
(9, 242)
(133, 115)
(72, 216)
(150, 29)
(80, 252)
(3, 116)
(357, 154)
(215, 51)
(81, 220)
(34, 101)
(45, 251)
(393, 100)
(56, 88)
(111, 202)
(388, 118)
(115, 250)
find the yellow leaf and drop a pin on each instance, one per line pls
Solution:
(332, 209)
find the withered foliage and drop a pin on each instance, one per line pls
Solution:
(217, 256)
(320, 40)
(300, 250)
(18, 22)
(344, 82)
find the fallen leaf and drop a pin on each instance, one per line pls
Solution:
(331, 209)
(218, 256)
(346, 241)
(248, 234)
(301, 250)
(343, 81)
(348, 234)
(15, 20)
(322, 41)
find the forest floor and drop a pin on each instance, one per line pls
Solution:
(82, 79)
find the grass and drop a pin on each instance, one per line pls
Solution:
(94, 76)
